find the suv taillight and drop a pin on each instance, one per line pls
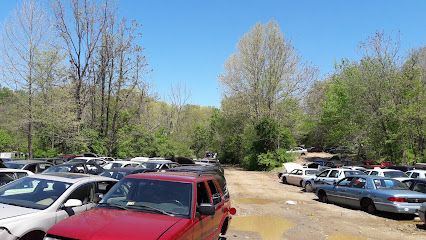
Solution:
(397, 199)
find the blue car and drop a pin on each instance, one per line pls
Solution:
(371, 194)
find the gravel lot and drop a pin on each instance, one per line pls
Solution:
(264, 213)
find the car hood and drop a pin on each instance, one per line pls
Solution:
(288, 167)
(111, 224)
(10, 211)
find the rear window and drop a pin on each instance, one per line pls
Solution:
(389, 184)
(394, 174)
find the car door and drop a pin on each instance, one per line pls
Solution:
(415, 175)
(203, 225)
(355, 192)
(321, 177)
(332, 177)
(84, 193)
(218, 202)
(339, 192)
(297, 177)
(290, 176)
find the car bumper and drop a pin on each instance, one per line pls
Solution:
(406, 208)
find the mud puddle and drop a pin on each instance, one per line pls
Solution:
(269, 227)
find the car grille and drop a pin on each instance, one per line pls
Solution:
(416, 200)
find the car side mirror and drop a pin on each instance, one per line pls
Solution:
(206, 209)
(70, 203)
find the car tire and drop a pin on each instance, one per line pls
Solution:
(308, 187)
(284, 180)
(323, 197)
(368, 206)
(35, 235)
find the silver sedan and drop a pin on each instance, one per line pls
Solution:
(371, 194)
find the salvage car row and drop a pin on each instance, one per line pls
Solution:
(373, 190)
(186, 202)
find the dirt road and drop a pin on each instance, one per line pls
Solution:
(264, 213)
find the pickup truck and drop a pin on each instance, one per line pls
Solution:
(153, 206)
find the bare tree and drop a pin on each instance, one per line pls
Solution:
(179, 96)
(23, 39)
(81, 33)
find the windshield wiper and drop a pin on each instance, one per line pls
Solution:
(151, 209)
(113, 206)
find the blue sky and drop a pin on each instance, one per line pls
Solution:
(189, 41)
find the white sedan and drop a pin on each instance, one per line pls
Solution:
(33, 204)
(389, 173)
(296, 176)
(297, 150)
(416, 173)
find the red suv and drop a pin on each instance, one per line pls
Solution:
(153, 206)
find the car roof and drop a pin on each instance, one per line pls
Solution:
(71, 163)
(170, 176)
(390, 170)
(159, 161)
(85, 158)
(124, 161)
(126, 169)
(417, 170)
(27, 161)
(13, 170)
(70, 177)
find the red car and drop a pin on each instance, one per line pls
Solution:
(153, 206)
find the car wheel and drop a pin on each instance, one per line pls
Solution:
(308, 187)
(323, 197)
(368, 206)
(284, 180)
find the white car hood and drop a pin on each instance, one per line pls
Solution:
(9, 211)
(288, 167)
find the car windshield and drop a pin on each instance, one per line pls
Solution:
(394, 174)
(113, 165)
(353, 173)
(311, 172)
(58, 168)
(32, 192)
(114, 174)
(389, 184)
(164, 197)
(151, 165)
(14, 165)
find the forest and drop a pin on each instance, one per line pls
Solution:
(74, 78)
